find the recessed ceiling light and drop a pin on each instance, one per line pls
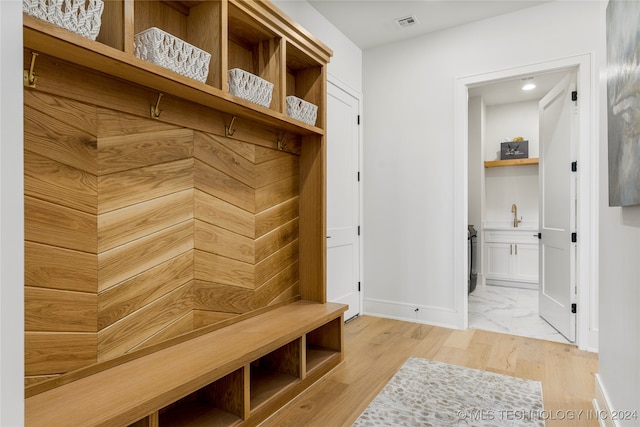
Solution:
(528, 83)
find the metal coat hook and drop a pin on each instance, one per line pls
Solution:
(28, 76)
(281, 142)
(228, 130)
(155, 109)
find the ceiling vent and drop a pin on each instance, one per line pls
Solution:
(407, 21)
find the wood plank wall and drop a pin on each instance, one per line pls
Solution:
(139, 230)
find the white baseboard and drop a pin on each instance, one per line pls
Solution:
(602, 406)
(411, 313)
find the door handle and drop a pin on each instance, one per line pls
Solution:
(328, 237)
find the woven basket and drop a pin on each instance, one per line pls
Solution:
(302, 110)
(80, 16)
(250, 87)
(168, 51)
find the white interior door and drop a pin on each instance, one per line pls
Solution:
(343, 248)
(557, 291)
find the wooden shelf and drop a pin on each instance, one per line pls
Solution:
(514, 162)
(45, 38)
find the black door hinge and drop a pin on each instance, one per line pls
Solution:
(574, 308)
(539, 235)
(358, 176)
(358, 286)
(574, 95)
(574, 237)
(358, 230)
(574, 166)
(358, 118)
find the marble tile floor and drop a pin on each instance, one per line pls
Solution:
(509, 310)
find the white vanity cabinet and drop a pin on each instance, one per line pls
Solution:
(511, 258)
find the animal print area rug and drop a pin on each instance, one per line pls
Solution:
(428, 393)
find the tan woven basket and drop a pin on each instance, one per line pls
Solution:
(250, 87)
(80, 16)
(302, 110)
(170, 52)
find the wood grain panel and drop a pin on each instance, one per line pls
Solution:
(58, 183)
(210, 151)
(276, 193)
(203, 318)
(222, 242)
(264, 154)
(115, 123)
(119, 153)
(59, 311)
(80, 115)
(271, 171)
(59, 226)
(58, 268)
(223, 214)
(217, 297)
(218, 184)
(132, 294)
(125, 261)
(122, 336)
(182, 325)
(59, 141)
(47, 353)
(292, 293)
(158, 14)
(276, 216)
(215, 268)
(204, 31)
(115, 190)
(275, 263)
(124, 225)
(276, 240)
(245, 149)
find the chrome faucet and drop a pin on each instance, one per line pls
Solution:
(514, 211)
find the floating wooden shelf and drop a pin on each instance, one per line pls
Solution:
(514, 162)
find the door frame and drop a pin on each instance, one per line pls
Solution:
(339, 84)
(588, 175)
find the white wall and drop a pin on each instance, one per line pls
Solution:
(11, 214)
(346, 63)
(506, 186)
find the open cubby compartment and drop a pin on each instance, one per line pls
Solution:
(324, 344)
(255, 48)
(275, 372)
(112, 29)
(304, 77)
(198, 23)
(221, 403)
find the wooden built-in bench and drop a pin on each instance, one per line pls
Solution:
(237, 375)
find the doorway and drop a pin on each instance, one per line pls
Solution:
(585, 206)
(504, 205)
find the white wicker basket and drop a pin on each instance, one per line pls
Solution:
(80, 16)
(302, 110)
(250, 87)
(168, 51)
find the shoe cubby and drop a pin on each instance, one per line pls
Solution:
(323, 345)
(272, 374)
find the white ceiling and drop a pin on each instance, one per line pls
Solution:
(370, 23)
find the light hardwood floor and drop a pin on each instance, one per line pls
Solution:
(377, 347)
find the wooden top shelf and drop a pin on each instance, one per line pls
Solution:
(513, 162)
(45, 38)
(132, 390)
